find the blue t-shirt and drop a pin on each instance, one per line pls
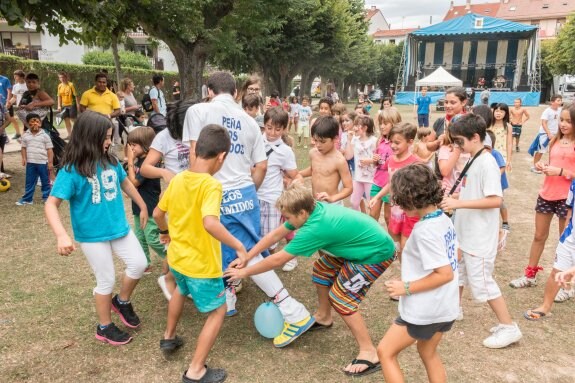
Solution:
(4, 86)
(423, 103)
(96, 204)
(158, 95)
(570, 202)
(501, 164)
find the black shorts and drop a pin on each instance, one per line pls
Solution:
(11, 111)
(3, 141)
(559, 208)
(516, 130)
(69, 112)
(426, 331)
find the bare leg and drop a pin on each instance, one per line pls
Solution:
(504, 214)
(205, 342)
(323, 313)
(395, 340)
(175, 308)
(68, 124)
(433, 365)
(386, 213)
(14, 122)
(551, 290)
(375, 211)
(128, 285)
(542, 224)
(103, 307)
(367, 350)
(499, 307)
(537, 158)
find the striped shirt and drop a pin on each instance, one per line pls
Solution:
(36, 147)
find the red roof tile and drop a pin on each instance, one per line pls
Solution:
(487, 9)
(393, 32)
(369, 13)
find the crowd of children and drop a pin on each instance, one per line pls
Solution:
(440, 190)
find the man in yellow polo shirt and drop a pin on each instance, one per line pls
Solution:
(100, 99)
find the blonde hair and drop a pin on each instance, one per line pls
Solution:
(389, 116)
(339, 109)
(295, 199)
(125, 84)
(423, 132)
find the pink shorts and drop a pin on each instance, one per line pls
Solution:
(402, 224)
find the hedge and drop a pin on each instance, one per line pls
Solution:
(127, 58)
(81, 75)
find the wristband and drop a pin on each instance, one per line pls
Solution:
(406, 286)
(164, 231)
(561, 172)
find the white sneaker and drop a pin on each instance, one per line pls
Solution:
(522, 282)
(495, 328)
(503, 336)
(164, 287)
(290, 265)
(231, 300)
(460, 315)
(564, 295)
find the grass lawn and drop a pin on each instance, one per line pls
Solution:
(47, 316)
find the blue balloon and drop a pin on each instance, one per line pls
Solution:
(269, 320)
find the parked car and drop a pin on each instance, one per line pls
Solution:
(375, 95)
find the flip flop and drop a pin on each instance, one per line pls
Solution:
(533, 315)
(371, 368)
(319, 326)
(212, 375)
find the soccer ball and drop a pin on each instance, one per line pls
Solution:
(4, 185)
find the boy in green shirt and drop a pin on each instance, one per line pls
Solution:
(355, 251)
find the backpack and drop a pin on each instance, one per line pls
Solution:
(147, 103)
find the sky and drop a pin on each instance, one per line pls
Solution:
(414, 13)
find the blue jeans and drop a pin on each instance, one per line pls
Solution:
(33, 171)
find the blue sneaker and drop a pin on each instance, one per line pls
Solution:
(22, 203)
(292, 331)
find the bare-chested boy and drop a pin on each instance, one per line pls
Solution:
(518, 116)
(328, 166)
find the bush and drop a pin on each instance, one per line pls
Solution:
(81, 75)
(127, 59)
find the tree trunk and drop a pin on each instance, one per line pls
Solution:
(191, 60)
(116, 58)
(305, 84)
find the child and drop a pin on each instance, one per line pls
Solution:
(548, 129)
(251, 104)
(503, 132)
(325, 106)
(293, 113)
(194, 232)
(328, 166)
(304, 113)
(386, 119)
(423, 103)
(361, 149)
(489, 144)
(347, 123)
(518, 116)
(139, 141)
(359, 110)
(38, 157)
(428, 288)
(476, 225)
(400, 224)
(420, 148)
(18, 90)
(140, 118)
(281, 160)
(92, 180)
(68, 102)
(359, 253)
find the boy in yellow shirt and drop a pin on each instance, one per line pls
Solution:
(68, 104)
(194, 233)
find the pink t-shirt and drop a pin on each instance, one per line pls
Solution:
(393, 165)
(381, 177)
(443, 155)
(556, 188)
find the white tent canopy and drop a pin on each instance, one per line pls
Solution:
(440, 77)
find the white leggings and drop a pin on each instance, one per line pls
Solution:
(99, 255)
(359, 190)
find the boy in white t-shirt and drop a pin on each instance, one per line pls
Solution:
(477, 226)
(281, 160)
(303, 127)
(428, 289)
(548, 129)
(18, 90)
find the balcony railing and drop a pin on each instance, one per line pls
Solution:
(26, 53)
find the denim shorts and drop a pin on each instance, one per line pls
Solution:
(208, 293)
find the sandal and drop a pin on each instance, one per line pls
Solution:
(534, 315)
(564, 295)
(371, 368)
(212, 375)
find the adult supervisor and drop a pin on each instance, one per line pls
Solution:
(243, 171)
(100, 99)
